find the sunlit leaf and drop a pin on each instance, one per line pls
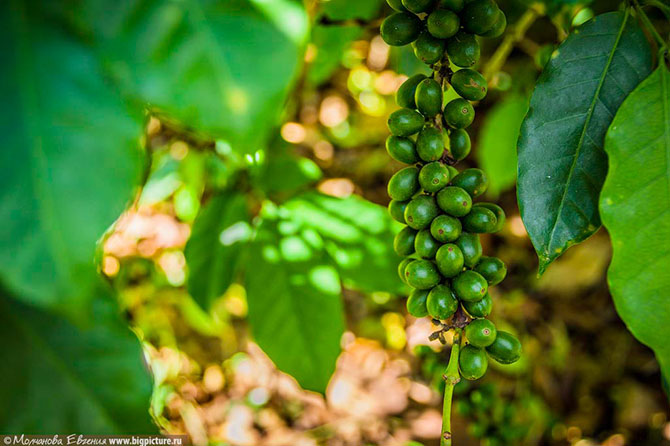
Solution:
(286, 172)
(295, 309)
(223, 68)
(635, 204)
(220, 231)
(562, 165)
(70, 158)
(58, 377)
(358, 236)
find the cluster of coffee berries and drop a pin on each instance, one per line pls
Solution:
(444, 262)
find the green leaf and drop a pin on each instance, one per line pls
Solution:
(222, 67)
(219, 233)
(69, 163)
(60, 378)
(561, 162)
(351, 9)
(284, 171)
(496, 150)
(359, 237)
(330, 43)
(295, 309)
(635, 204)
(402, 60)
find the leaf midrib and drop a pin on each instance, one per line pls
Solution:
(583, 134)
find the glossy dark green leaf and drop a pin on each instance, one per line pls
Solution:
(562, 165)
(496, 147)
(293, 293)
(61, 378)
(358, 236)
(222, 67)
(330, 43)
(635, 207)
(70, 158)
(219, 233)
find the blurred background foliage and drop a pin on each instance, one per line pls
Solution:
(259, 240)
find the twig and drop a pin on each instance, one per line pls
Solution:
(451, 378)
(648, 25)
(665, 9)
(515, 35)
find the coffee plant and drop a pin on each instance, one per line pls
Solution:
(444, 262)
(85, 85)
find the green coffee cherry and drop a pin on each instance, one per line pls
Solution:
(480, 308)
(480, 220)
(422, 274)
(396, 5)
(404, 184)
(433, 176)
(498, 27)
(428, 49)
(454, 201)
(472, 362)
(449, 260)
(453, 5)
(442, 23)
(458, 113)
(441, 303)
(420, 211)
(402, 149)
(470, 286)
(418, 6)
(471, 248)
(430, 144)
(397, 210)
(416, 303)
(463, 50)
(401, 268)
(428, 97)
(506, 349)
(469, 84)
(474, 181)
(452, 171)
(404, 97)
(405, 122)
(499, 213)
(459, 144)
(492, 268)
(445, 228)
(479, 16)
(400, 28)
(425, 245)
(403, 243)
(481, 333)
